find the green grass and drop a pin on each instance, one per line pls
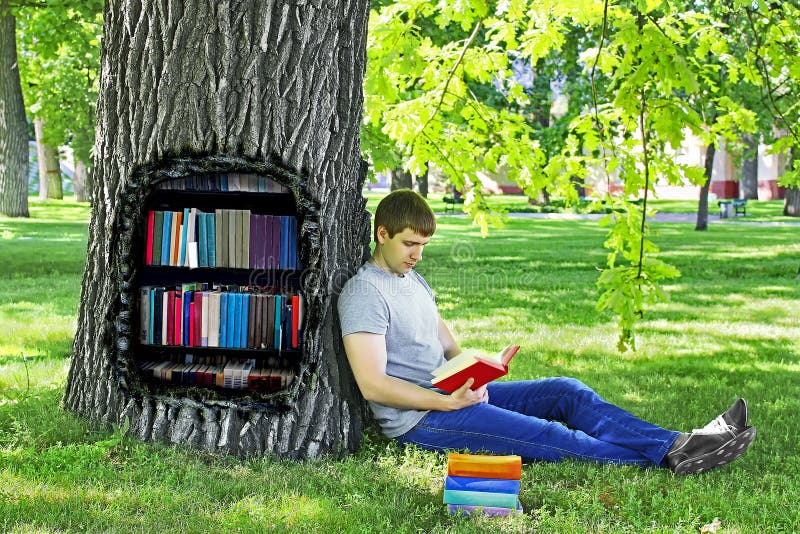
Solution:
(757, 210)
(731, 328)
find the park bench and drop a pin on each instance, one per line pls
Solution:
(454, 198)
(732, 207)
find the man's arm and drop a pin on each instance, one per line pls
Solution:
(367, 356)
(448, 340)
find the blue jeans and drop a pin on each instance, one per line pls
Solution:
(525, 418)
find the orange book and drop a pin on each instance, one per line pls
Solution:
(485, 466)
(483, 368)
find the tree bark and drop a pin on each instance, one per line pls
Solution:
(50, 185)
(422, 183)
(702, 206)
(791, 202)
(401, 180)
(270, 84)
(750, 168)
(82, 182)
(13, 125)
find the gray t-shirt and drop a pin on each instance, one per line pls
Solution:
(402, 309)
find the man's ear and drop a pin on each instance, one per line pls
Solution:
(382, 234)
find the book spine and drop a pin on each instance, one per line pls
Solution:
(481, 498)
(492, 485)
(148, 259)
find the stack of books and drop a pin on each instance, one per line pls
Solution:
(481, 484)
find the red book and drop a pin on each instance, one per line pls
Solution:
(483, 368)
(170, 318)
(191, 324)
(295, 321)
(178, 332)
(150, 226)
(197, 333)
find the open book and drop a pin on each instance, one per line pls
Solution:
(472, 364)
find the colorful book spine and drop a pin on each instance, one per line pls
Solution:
(478, 465)
(148, 260)
(480, 498)
(491, 511)
(491, 485)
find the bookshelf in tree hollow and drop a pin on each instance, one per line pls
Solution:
(219, 300)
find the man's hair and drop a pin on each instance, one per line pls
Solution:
(403, 209)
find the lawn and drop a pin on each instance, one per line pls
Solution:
(730, 329)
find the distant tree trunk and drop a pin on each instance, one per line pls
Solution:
(82, 182)
(422, 183)
(13, 126)
(750, 168)
(401, 180)
(791, 202)
(542, 198)
(270, 81)
(50, 185)
(702, 206)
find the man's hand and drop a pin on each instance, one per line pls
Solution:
(464, 396)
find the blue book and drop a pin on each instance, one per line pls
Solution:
(277, 340)
(494, 485)
(245, 321)
(202, 239)
(165, 238)
(229, 320)
(187, 301)
(211, 232)
(182, 248)
(159, 313)
(223, 320)
(284, 259)
(481, 498)
(237, 320)
(224, 182)
(151, 301)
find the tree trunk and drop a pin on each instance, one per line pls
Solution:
(749, 184)
(422, 183)
(401, 180)
(267, 84)
(82, 182)
(791, 203)
(702, 206)
(50, 185)
(13, 125)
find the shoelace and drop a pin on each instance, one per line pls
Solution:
(717, 426)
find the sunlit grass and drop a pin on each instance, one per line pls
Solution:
(730, 328)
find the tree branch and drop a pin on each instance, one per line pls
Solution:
(450, 78)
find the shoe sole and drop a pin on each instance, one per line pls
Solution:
(719, 457)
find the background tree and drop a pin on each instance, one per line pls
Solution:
(60, 61)
(774, 54)
(267, 81)
(13, 125)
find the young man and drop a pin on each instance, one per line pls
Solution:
(394, 338)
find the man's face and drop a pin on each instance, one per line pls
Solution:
(403, 251)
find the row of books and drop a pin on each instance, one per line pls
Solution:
(222, 183)
(192, 315)
(483, 484)
(225, 238)
(235, 374)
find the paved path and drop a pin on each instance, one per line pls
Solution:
(689, 218)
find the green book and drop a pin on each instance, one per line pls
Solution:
(158, 236)
(480, 498)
